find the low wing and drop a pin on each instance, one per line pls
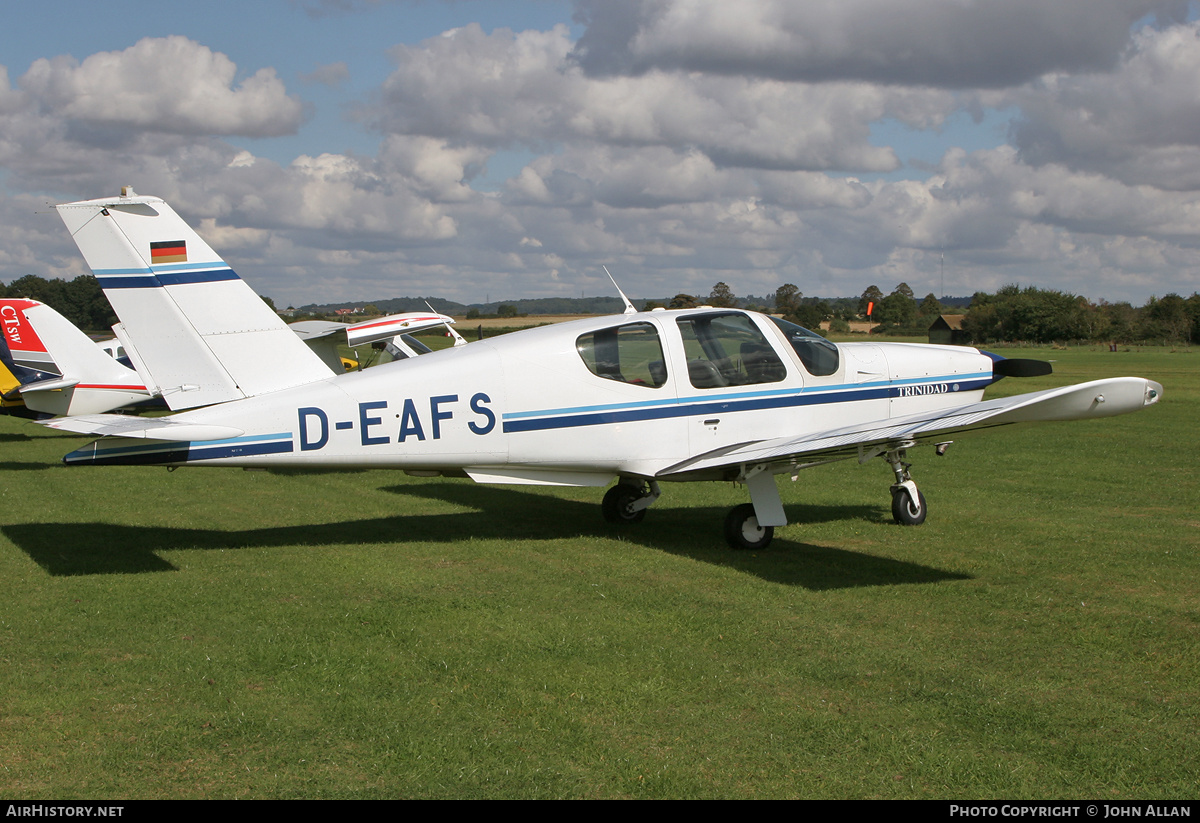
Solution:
(1099, 398)
(308, 330)
(385, 328)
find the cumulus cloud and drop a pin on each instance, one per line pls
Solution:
(945, 43)
(678, 143)
(1139, 123)
(169, 84)
(508, 88)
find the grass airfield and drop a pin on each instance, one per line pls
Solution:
(228, 634)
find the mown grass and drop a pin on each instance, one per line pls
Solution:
(212, 633)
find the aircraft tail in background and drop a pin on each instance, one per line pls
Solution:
(23, 343)
(12, 376)
(89, 381)
(193, 328)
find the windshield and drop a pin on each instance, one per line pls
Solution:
(818, 355)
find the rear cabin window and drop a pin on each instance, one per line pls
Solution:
(628, 354)
(728, 350)
(818, 355)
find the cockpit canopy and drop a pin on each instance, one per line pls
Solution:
(818, 355)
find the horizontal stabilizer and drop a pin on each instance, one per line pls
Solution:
(50, 384)
(150, 428)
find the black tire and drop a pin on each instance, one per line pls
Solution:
(742, 529)
(903, 511)
(617, 501)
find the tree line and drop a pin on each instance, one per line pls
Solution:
(1011, 314)
(80, 300)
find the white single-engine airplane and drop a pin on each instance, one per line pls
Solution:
(649, 397)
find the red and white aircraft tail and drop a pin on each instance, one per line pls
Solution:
(91, 382)
(214, 339)
(26, 348)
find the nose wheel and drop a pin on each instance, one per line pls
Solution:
(908, 504)
(908, 510)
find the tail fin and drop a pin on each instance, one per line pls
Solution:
(91, 382)
(24, 345)
(202, 334)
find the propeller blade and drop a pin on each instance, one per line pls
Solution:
(1021, 368)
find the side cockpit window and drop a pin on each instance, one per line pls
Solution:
(818, 355)
(728, 350)
(628, 354)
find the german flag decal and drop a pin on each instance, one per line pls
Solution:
(168, 251)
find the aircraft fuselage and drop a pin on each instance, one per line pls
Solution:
(576, 403)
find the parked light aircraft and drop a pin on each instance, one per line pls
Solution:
(89, 380)
(392, 335)
(644, 398)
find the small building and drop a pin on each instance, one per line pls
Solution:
(948, 330)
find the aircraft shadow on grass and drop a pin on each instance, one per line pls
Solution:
(16, 466)
(66, 549)
(22, 437)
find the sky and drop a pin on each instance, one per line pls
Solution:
(357, 150)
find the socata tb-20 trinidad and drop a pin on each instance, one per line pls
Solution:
(643, 398)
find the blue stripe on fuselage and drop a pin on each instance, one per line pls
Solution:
(726, 403)
(182, 452)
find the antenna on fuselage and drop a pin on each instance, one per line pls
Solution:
(459, 340)
(629, 309)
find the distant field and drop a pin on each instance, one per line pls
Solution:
(462, 324)
(229, 634)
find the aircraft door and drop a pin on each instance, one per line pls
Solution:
(733, 381)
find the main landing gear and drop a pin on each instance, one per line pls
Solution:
(627, 501)
(742, 530)
(751, 526)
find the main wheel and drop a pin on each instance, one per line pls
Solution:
(904, 511)
(742, 529)
(617, 502)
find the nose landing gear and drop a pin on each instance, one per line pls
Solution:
(908, 504)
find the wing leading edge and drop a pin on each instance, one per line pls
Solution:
(1098, 398)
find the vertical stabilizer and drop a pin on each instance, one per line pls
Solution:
(202, 334)
(91, 383)
(24, 345)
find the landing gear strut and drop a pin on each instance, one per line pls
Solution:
(908, 504)
(627, 501)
